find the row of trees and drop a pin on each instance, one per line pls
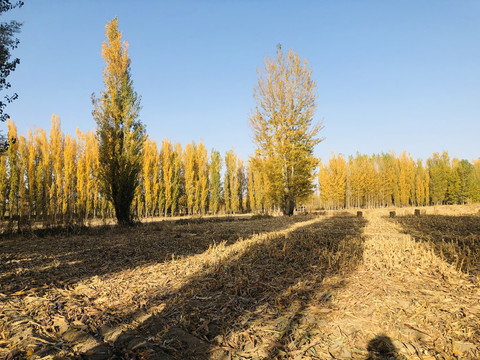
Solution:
(283, 128)
(118, 169)
(387, 179)
(55, 178)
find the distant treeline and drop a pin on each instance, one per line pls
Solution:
(54, 179)
(390, 180)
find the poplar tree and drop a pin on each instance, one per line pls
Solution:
(251, 186)
(43, 173)
(406, 180)
(242, 192)
(283, 127)
(332, 178)
(69, 176)
(388, 179)
(461, 184)
(215, 181)
(120, 133)
(92, 184)
(56, 156)
(259, 198)
(150, 176)
(202, 181)
(82, 174)
(231, 183)
(3, 186)
(476, 185)
(190, 167)
(355, 189)
(13, 173)
(439, 171)
(22, 169)
(30, 176)
(421, 184)
(178, 182)
(166, 156)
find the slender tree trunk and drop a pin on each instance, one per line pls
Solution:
(289, 206)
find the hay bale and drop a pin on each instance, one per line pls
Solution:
(392, 214)
(359, 214)
(417, 212)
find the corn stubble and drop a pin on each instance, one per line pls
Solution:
(303, 287)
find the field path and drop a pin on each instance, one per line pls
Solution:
(403, 303)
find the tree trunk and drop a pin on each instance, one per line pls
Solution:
(122, 214)
(289, 207)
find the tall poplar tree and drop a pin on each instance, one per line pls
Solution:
(13, 167)
(69, 177)
(178, 181)
(120, 133)
(190, 166)
(150, 175)
(30, 173)
(82, 174)
(56, 156)
(215, 181)
(439, 171)
(3, 186)
(43, 174)
(283, 127)
(201, 189)
(476, 186)
(231, 183)
(333, 178)
(166, 156)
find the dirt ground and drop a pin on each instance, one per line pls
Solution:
(330, 286)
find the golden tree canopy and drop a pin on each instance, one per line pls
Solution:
(284, 129)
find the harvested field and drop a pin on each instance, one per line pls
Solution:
(333, 286)
(454, 239)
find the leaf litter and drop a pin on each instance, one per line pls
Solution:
(305, 287)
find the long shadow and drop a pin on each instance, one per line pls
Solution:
(455, 239)
(256, 303)
(36, 262)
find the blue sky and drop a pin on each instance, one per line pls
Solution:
(391, 75)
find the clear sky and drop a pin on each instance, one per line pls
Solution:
(391, 75)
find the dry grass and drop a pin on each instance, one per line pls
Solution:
(454, 239)
(330, 286)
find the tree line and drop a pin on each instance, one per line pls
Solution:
(118, 171)
(54, 177)
(390, 180)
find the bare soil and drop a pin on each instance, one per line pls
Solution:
(334, 286)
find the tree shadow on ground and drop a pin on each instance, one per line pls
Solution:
(60, 259)
(455, 239)
(382, 348)
(265, 301)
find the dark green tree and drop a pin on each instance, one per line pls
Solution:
(120, 133)
(8, 43)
